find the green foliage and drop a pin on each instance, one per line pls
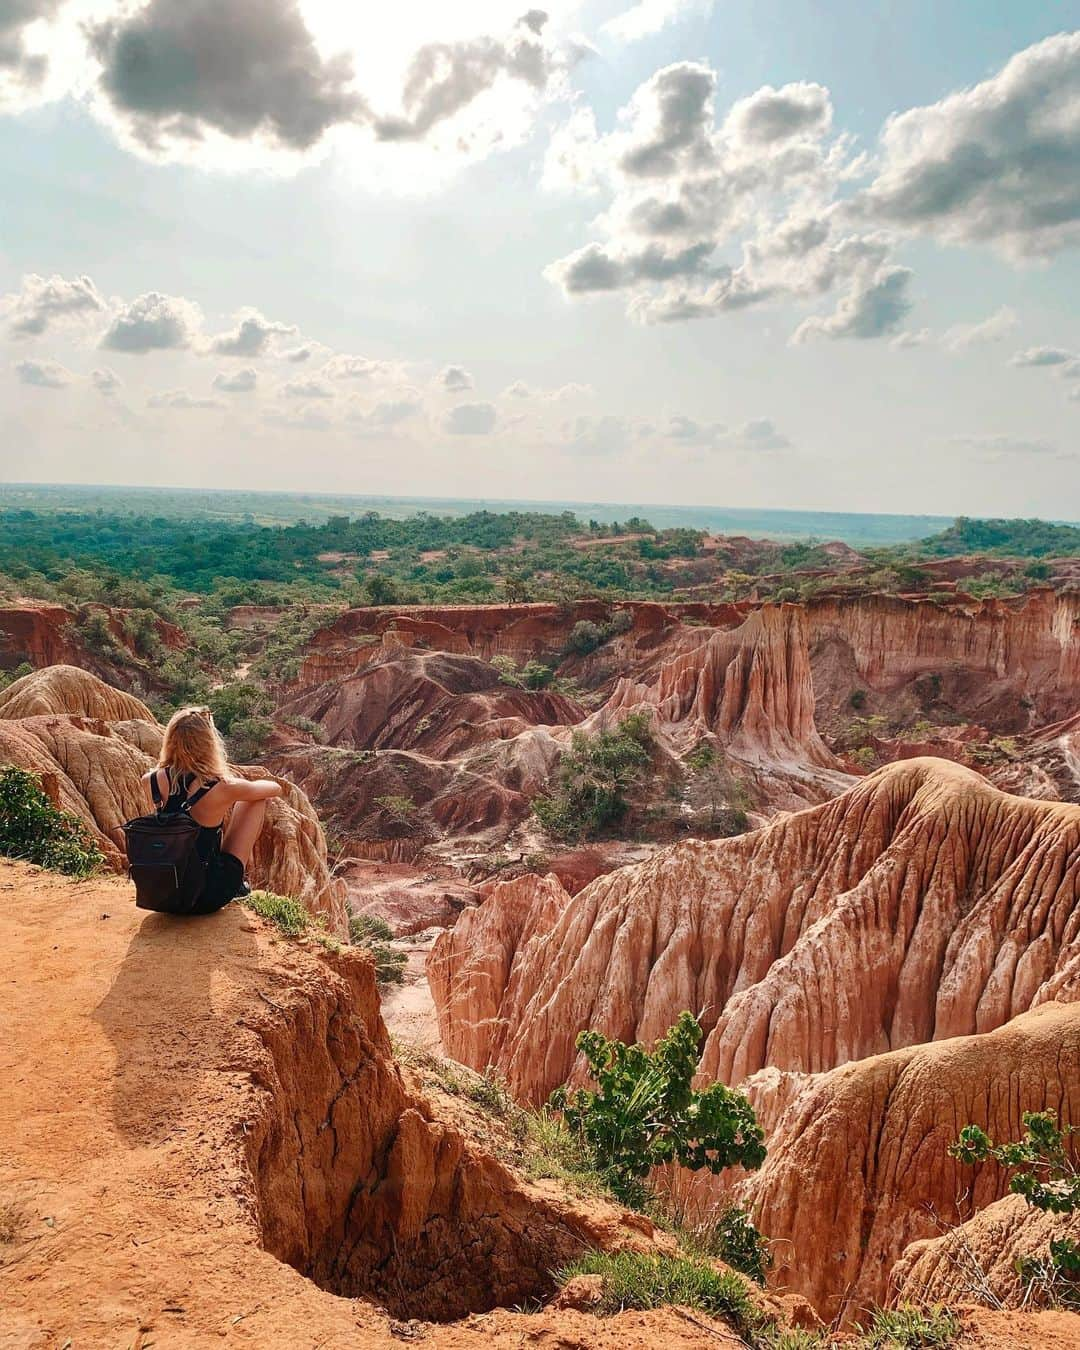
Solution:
(910, 1329)
(1047, 1177)
(399, 808)
(532, 675)
(309, 727)
(646, 1113)
(141, 630)
(732, 1238)
(10, 676)
(33, 830)
(647, 1280)
(380, 590)
(376, 936)
(584, 638)
(249, 738)
(858, 699)
(1027, 538)
(590, 790)
(237, 702)
(286, 913)
(94, 632)
(1049, 1180)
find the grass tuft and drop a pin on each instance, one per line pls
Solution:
(653, 1280)
(287, 914)
(909, 1328)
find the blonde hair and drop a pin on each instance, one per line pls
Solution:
(191, 746)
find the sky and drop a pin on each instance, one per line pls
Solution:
(815, 254)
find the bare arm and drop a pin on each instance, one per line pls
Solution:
(257, 790)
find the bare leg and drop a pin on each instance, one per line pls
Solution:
(244, 826)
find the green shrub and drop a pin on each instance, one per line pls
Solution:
(10, 676)
(584, 638)
(646, 1113)
(732, 1238)
(33, 830)
(648, 1280)
(309, 727)
(237, 702)
(249, 738)
(376, 936)
(95, 633)
(399, 808)
(910, 1329)
(593, 779)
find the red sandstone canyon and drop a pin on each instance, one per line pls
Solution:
(883, 949)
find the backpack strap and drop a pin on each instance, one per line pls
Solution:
(155, 790)
(198, 796)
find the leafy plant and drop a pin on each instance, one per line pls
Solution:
(590, 789)
(33, 830)
(376, 936)
(732, 1237)
(910, 1329)
(249, 738)
(236, 702)
(398, 807)
(646, 1113)
(1049, 1180)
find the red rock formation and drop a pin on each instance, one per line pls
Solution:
(94, 744)
(867, 1146)
(43, 634)
(999, 662)
(921, 904)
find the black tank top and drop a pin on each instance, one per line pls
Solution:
(181, 798)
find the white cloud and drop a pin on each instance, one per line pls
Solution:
(596, 435)
(43, 374)
(994, 329)
(251, 335)
(237, 381)
(773, 115)
(297, 355)
(470, 419)
(312, 387)
(153, 322)
(388, 413)
(998, 163)
(757, 434)
(24, 48)
(342, 367)
(106, 382)
(649, 16)
(454, 379)
(996, 446)
(182, 399)
(44, 301)
(307, 418)
(913, 337)
(876, 304)
(1042, 356)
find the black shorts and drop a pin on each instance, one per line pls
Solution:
(224, 882)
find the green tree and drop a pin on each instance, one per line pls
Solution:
(590, 790)
(645, 1111)
(33, 830)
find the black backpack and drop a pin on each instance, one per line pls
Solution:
(163, 858)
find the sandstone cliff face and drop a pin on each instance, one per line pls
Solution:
(867, 1146)
(91, 744)
(44, 634)
(921, 904)
(1009, 664)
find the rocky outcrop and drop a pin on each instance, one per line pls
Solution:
(867, 1145)
(70, 689)
(91, 749)
(921, 904)
(1010, 665)
(977, 1260)
(39, 633)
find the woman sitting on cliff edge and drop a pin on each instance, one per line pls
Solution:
(192, 775)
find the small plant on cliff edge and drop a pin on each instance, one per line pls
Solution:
(1049, 1180)
(375, 936)
(646, 1113)
(733, 1239)
(287, 914)
(33, 830)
